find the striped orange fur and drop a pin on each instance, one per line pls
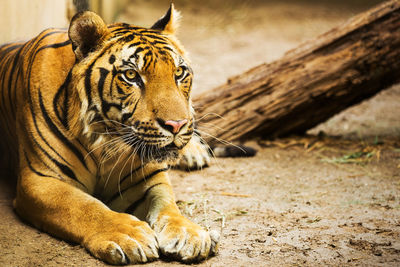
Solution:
(91, 119)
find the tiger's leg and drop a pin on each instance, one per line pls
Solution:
(177, 236)
(71, 214)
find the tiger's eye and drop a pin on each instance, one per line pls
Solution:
(179, 72)
(130, 74)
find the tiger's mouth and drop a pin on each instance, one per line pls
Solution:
(150, 146)
(153, 149)
(159, 154)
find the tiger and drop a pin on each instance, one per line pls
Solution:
(92, 118)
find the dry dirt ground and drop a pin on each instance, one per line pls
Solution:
(329, 198)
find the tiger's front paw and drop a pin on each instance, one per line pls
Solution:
(195, 155)
(124, 240)
(184, 240)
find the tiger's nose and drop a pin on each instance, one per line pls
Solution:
(174, 126)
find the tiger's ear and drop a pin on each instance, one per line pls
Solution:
(87, 32)
(169, 23)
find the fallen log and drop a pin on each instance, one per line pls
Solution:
(309, 84)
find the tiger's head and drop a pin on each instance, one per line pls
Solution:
(134, 85)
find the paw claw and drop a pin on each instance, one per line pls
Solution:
(126, 241)
(186, 241)
(215, 236)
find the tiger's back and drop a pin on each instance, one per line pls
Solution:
(21, 65)
(9, 62)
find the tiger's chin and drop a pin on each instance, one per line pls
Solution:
(153, 153)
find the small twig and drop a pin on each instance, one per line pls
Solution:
(223, 219)
(206, 221)
(233, 194)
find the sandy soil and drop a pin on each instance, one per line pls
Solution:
(329, 198)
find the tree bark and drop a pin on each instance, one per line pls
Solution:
(309, 84)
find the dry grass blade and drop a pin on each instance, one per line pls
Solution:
(355, 157)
